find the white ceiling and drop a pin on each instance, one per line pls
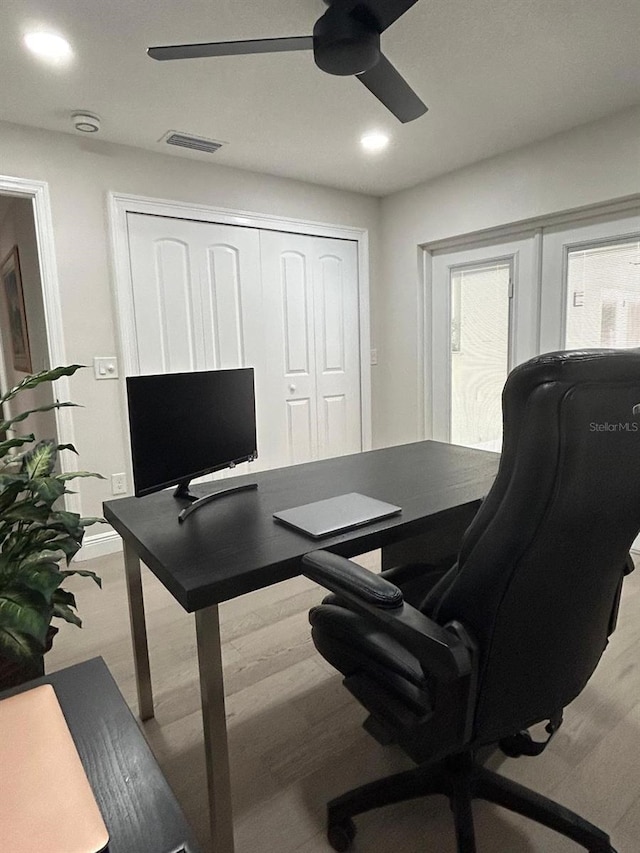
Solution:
(496, 75)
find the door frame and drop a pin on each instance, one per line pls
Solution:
(599, 231)
(441, 420)
(38, 192)
(524, 310)
(487, 236)
(120, 204)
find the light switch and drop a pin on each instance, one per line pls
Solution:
(105, 367)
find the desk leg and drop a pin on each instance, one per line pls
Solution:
(138, 632)
(215, 728)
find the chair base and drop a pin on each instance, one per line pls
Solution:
(461, 779)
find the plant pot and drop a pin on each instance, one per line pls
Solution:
(14, 674)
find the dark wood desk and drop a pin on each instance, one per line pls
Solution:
(234, 546)
(137, 804)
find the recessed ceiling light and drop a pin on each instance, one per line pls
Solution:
(49, 46)
(375, 141)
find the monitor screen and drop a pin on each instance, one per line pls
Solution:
(183, 425)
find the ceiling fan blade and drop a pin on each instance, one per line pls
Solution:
(230, 48)
(392, 89)
(385, 12)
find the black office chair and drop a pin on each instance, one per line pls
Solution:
(509, 635)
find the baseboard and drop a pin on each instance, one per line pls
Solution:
(99, 545)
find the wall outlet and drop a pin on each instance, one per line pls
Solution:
(118, 484)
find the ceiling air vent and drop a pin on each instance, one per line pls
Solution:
(187, 140)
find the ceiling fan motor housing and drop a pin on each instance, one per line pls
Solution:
(344, 45)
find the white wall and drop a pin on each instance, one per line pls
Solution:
(80, 172)
(17, 228)
(591, 164)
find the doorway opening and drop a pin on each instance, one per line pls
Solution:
(24, 347)
(25, 223)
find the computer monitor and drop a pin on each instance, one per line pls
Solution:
(184, 425)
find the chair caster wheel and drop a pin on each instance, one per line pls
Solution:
(515, 745)
(340, 835)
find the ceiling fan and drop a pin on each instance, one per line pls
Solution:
(345, 41)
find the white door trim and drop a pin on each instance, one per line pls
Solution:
(38, 192)
(120, 204)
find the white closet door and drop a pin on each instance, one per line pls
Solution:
(208, 296)
(312, 333)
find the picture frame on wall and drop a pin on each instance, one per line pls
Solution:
(16, 311)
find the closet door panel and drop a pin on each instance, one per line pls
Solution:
(294, 294)
(222, 308)
(337, 347)
(292, 434)
(300, 430)
(165, 299)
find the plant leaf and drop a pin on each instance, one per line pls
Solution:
(67, 447)
(48, 489)
(26, 511)
(5, 425)
(39, 556)
(17, 646)
(9, 480)
(8, 495)
(25, 612)
(62, 611)
(84, 573)
(88, 520)
(46, 579)
(63, 596)
(39, 462)
(15, 442)
(69, 521)
(71, 475)
(37, 378)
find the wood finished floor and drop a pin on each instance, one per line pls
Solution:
(295, 733)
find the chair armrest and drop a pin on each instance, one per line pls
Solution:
(350, 576)
(440, 651)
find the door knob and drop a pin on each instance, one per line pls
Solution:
(292, 388)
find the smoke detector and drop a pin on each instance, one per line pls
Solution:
(86, 122)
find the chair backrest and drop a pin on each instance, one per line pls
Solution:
(541, 564)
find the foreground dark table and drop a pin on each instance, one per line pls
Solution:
(233, 546)
(138, 807)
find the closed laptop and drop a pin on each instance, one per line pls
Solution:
(46, 802)
(343, 512)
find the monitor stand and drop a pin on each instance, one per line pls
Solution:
(183, 492)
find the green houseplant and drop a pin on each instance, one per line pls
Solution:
(38, 539)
